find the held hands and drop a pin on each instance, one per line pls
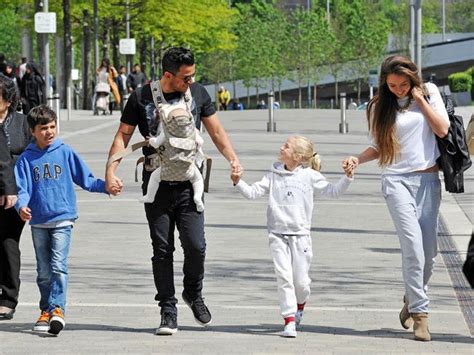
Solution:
(236, 171)
(349, 165)
(113, 185)
(25, 214)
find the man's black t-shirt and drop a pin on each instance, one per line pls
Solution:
(142, 114)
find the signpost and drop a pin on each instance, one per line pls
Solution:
(127, 46)
(373, 81)
(45, 22)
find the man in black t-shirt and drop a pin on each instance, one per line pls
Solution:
(173, 204)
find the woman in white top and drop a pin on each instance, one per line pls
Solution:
(404, 118)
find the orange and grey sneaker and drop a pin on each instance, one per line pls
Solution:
(56, 321)
(42, 324)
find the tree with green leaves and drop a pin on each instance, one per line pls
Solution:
(308, 45)
(366, 37)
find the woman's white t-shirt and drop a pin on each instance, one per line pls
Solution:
(418, 147)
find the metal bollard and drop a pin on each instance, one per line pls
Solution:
(271, 124)
(343, 126)
(56, 106)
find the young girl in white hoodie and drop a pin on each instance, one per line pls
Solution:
(291, 185)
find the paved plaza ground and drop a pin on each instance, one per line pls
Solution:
(357, 284)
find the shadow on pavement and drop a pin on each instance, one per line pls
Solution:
(259, 329)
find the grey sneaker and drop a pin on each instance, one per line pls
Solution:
(298, 317)
(200, 311)
(168, 325)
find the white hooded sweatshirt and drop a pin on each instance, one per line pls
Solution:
(291, 194)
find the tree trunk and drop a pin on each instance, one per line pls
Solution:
(315, 97)
(216, 96)
(86, 103)
(299, 93)
(358, 91)
(67, 46)
(143, 45)
(257, 92)
(26, 45)
(280, 95)
(248, 97)
(152, 59)
(105, 40)
(114, 44)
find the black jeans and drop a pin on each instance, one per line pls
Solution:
(11, 227)
(174, 206)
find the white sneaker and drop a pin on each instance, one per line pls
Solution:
(289, 331)
(298, 317)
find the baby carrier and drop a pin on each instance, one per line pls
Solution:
(178, 152)
(184, 149)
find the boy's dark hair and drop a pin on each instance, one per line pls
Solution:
(175, 57)
(9, 93)
(40, 115)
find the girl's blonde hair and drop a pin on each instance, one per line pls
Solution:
(303, 149)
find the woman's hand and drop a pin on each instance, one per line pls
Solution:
(418, 94)
(349, 164)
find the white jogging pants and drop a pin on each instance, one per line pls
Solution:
(292, 256)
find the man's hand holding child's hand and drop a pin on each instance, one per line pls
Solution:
(236, 172)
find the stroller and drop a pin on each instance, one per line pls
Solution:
(101, 98)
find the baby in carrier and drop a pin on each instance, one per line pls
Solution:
(179, 147)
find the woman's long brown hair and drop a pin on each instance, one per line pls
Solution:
(382, 109)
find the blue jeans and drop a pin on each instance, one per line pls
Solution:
(52, 249)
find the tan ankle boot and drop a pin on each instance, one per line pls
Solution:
(405, 317)
(420, 326)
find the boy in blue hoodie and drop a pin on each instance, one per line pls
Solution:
(45, 175)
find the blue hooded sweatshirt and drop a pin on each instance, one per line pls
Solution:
(45, 179)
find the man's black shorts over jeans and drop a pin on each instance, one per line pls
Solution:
(174, 206)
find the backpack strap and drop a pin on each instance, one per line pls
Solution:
(127, 151)
(188, 99)
(157, 94)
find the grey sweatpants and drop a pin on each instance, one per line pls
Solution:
(413, 200)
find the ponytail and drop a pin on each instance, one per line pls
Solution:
(315, 162)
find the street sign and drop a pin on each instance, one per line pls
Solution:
(45, 22)
(373, 78)
(127, 46)
(74, 74)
